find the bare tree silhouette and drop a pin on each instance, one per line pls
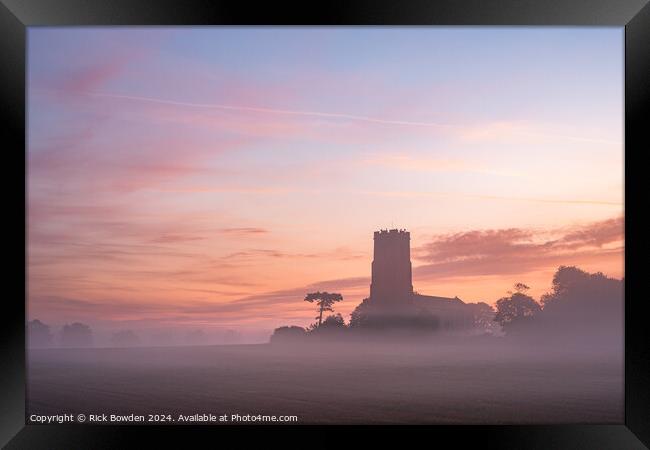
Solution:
(324, 300)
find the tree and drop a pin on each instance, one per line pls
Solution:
(39, 334)
(358, 317)
(565, 280)
(483, 317)
(520, 288)
(333, 326)
(324, 300)
(584, 306)
(288, 334)
(76, 335)
(334, 321)
(517, 309)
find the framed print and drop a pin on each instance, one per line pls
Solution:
(392, 219)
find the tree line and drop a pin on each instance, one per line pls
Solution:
(77, 334)
(587, 306)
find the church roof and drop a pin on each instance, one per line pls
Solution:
(436, 299)
(442, 306)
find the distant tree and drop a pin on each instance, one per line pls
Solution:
(334, 321)
(585, 306)
(566, 279)
(333, 326)
(125, 338)
(324, 300)
(76, 335)
(483, 317)
(516, 310)
(288, 334)
(311, 327)
(38, 334)
(359, 317)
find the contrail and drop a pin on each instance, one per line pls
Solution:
(367, 119)
(274, 111)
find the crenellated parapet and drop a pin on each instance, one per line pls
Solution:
(394, 233)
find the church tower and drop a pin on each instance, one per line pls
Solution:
(391, 267)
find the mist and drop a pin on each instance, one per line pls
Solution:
(423, 359)
(366, 381)
(120, 335)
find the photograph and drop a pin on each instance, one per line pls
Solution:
(325, 225)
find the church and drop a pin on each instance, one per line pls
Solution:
(391, 288)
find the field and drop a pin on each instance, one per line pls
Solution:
(352, 384)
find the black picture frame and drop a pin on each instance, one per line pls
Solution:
(634, 15)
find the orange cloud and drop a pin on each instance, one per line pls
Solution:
(244, 230)
(518, 251)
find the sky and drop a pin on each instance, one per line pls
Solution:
(208, 178)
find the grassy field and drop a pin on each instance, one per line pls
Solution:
(436, 384)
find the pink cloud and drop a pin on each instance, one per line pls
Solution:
(173, 238)
(97, 166)
(596, 235)
(244, 230)
(516, 250)
(471, 255)
(95, 76)
(256, 253)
